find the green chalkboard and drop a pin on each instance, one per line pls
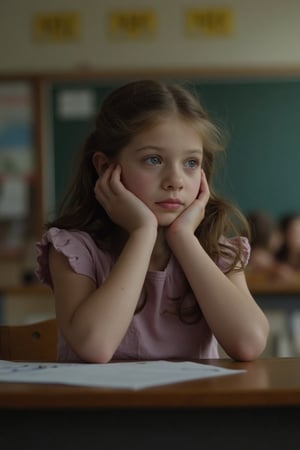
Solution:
(262, 118)
(71, 129)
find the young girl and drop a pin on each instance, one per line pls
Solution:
(142, 259)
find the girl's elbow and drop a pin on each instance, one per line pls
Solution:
(94, 350)
(251, 347)
(247, 353)
(96, 356)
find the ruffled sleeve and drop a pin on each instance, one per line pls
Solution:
(75, 245)
(234, 243)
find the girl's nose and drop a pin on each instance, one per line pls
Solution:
(173, 179)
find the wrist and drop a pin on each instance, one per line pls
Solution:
(145, 231)
(175, 231)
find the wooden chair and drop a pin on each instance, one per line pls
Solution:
(33, 342)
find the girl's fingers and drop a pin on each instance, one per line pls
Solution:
(109, 185)
(102, 186)
(115, 180)
(204, 188)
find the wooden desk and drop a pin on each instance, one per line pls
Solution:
(258, 409)
(32, 290)
(279, 295)
(24, 299)
(260, 284)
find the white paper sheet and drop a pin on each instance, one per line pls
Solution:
(132, 375)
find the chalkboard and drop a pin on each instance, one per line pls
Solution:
(262, 118)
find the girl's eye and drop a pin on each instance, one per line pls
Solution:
(154, 160)
(191, 163)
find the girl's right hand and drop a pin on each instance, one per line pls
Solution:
(122, 206)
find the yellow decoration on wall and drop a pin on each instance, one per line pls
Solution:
(132, 24)
(56, 27)
(209, 22)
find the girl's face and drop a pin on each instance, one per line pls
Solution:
(162, 167)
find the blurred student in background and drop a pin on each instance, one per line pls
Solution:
(266, 240)
(289, 251)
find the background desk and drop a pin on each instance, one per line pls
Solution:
(282, 297)
(25, 304)
(258, 409)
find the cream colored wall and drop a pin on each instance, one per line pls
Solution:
(267, 33)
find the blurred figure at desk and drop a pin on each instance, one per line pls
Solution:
(266, 241)
(289, 251)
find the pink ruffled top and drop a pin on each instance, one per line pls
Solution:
(156, 332)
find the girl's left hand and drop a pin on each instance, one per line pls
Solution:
(191, 217)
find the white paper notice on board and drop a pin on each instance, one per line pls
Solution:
(76, 104)
(14, 198)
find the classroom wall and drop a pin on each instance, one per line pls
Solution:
(266, 33)
(265, 37)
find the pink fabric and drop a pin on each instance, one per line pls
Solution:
(154, 333)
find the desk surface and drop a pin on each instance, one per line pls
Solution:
(266, 382)
(30, 290)
(260, 284)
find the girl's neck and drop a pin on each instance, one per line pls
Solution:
(161, 252)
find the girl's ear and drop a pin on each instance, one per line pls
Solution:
(100, 162)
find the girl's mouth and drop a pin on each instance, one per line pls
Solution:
(170, 204)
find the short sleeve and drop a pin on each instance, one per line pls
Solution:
(74, 245)
(234, 243)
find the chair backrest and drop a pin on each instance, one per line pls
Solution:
(33, 342)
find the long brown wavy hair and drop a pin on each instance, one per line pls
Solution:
(125, 112)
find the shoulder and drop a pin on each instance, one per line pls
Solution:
(68, 242)
(234, 246)
(78, 247)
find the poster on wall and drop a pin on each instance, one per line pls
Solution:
(16, 124)
(132, 25)
(16, 161)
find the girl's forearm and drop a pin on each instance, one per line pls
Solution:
(101, 321)
(239, 325)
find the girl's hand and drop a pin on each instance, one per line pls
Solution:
(191, 217)
(122, 206)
